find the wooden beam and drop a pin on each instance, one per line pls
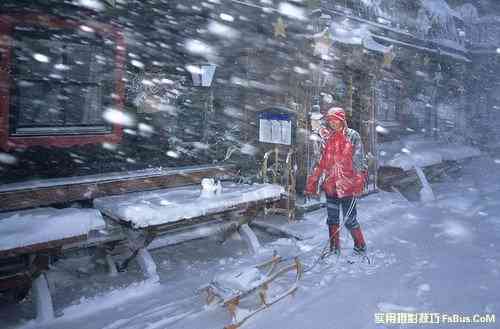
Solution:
(91, 188)
(15, 280)
(40, 247)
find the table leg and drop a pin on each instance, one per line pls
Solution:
(250, 238)
(147, 264)
(138, 241)
(43, 299)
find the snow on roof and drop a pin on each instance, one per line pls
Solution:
(346, 32)
(143, 209)
(438, 8)
(422, 152)
(352, 33)
(370, 44)
(29, 227)
(441, 52)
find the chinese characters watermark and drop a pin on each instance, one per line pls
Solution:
(432, 318)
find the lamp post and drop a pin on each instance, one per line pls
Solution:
(202, 76)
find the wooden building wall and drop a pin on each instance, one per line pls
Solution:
(177, 124)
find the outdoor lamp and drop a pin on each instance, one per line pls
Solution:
(202, 74)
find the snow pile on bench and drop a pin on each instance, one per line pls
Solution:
(29, 227)
(418, 151)
(143, 209)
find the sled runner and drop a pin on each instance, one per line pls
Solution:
(231, 289)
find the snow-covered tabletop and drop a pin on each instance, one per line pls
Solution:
(417, 151)
(28, 228)
(151, 208)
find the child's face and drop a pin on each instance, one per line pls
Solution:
(335, 124)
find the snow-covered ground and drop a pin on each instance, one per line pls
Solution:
(435, 257)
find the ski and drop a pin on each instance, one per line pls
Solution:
(359, 258)
(329, 253)
(350, 259)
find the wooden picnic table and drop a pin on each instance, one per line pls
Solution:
(149, 214)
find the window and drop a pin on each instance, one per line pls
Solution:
(61, 82)
(57, 76)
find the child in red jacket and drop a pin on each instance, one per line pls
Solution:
(343, 166)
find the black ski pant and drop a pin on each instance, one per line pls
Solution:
(333, 205)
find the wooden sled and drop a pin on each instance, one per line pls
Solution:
(223, 293)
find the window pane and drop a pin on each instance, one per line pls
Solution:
(39, 104)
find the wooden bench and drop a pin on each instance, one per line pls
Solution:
(412, 162)
(29, 238)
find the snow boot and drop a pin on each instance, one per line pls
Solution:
(359, 241)
(334, 234)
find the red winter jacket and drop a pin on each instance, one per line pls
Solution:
(342, 164)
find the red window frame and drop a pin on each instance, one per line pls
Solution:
(7, 25)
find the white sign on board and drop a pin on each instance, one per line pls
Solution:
(275, 129)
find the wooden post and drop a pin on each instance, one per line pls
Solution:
(368, 122)
(276, 164)
(350, 92)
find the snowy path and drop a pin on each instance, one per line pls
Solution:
(434, 266)
(437, 257)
